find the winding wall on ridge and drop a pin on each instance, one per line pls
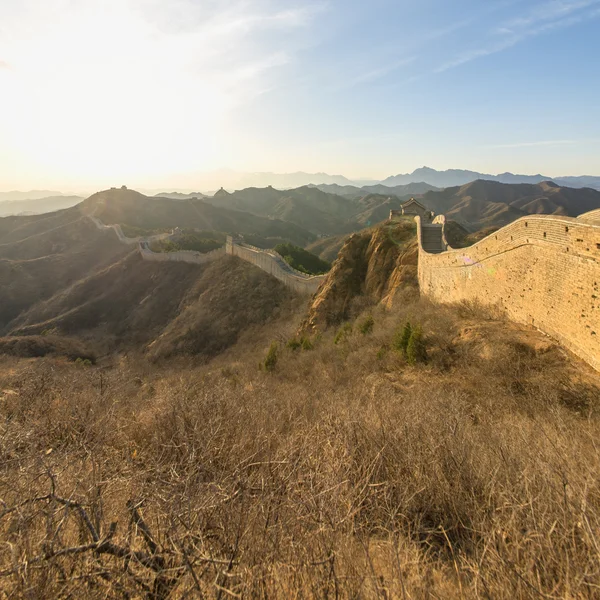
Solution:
(267, 260)
(273, 263)
(123, 238)
(541, 270)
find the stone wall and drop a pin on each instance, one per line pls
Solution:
(273, 263)
(541, 270)
(267, 260)
(590, 217)
(187, 256)
(123, 238)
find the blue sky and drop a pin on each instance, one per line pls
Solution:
(157, 91)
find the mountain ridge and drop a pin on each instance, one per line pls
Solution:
(454, 177)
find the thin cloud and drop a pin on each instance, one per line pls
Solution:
(375, 74)
(545, 18)
(549, 11)
(535, 144)
(4, 65)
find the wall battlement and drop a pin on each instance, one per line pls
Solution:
(123, 238)
(273, 263)
(187, 256)
(267, 260)
(590, 217)
(542, 270)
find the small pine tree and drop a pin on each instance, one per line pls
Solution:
(402, 338)
(367, 325)
(271, 358)
(416, 352)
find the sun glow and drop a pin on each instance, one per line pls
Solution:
(101, 91)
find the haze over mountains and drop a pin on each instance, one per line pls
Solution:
(418, 182)
(453, 177)
(60, 273)
(37, 206)
(234, 180)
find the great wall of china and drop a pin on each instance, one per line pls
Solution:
(267, 260)
(541, 270)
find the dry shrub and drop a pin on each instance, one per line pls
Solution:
(336, 475)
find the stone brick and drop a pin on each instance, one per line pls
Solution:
(541, 270)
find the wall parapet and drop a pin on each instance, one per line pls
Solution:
(187, 256)
(127, 240)
(590, 217)
(273, 263)
(542, 270)
(267, 260)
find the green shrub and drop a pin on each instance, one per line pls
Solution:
(294, 344)
(367, 325)
(343, 333)
(271, 358)
(306, 343)
(83, 362)
(382, 352)
(416, 352)
(401, 338)
(302, 260)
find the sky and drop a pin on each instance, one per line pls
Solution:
(152, 93)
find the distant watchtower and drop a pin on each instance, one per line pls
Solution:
(409, 208)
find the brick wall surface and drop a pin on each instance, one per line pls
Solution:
(273, 264)
(590, 217)
(541, 270)
(187, 256)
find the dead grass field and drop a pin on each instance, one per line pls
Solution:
(343, 473)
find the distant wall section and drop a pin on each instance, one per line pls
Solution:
(123, 238)
(267, 260)
(187, 256)
(541, 270)
(273, 263)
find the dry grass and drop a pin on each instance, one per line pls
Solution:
(342, 473)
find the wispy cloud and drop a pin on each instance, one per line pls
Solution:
(535, 144)
(542, 19)
(378, 73)
(548, 11)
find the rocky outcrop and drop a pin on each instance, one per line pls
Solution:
(373, 265)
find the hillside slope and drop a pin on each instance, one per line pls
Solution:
(174, 308)
(488, 203)
(63, 281)
(38, 263)
(37, 206)
(374, 265)
(131, 208)
(321, 212)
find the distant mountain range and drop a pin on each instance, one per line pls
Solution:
(180, 195)
(320, 212)
(31, 195)
(352, 191)
(236, 180)
(454, 177)
(37, 206)
(418, 182)
(484, 203)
